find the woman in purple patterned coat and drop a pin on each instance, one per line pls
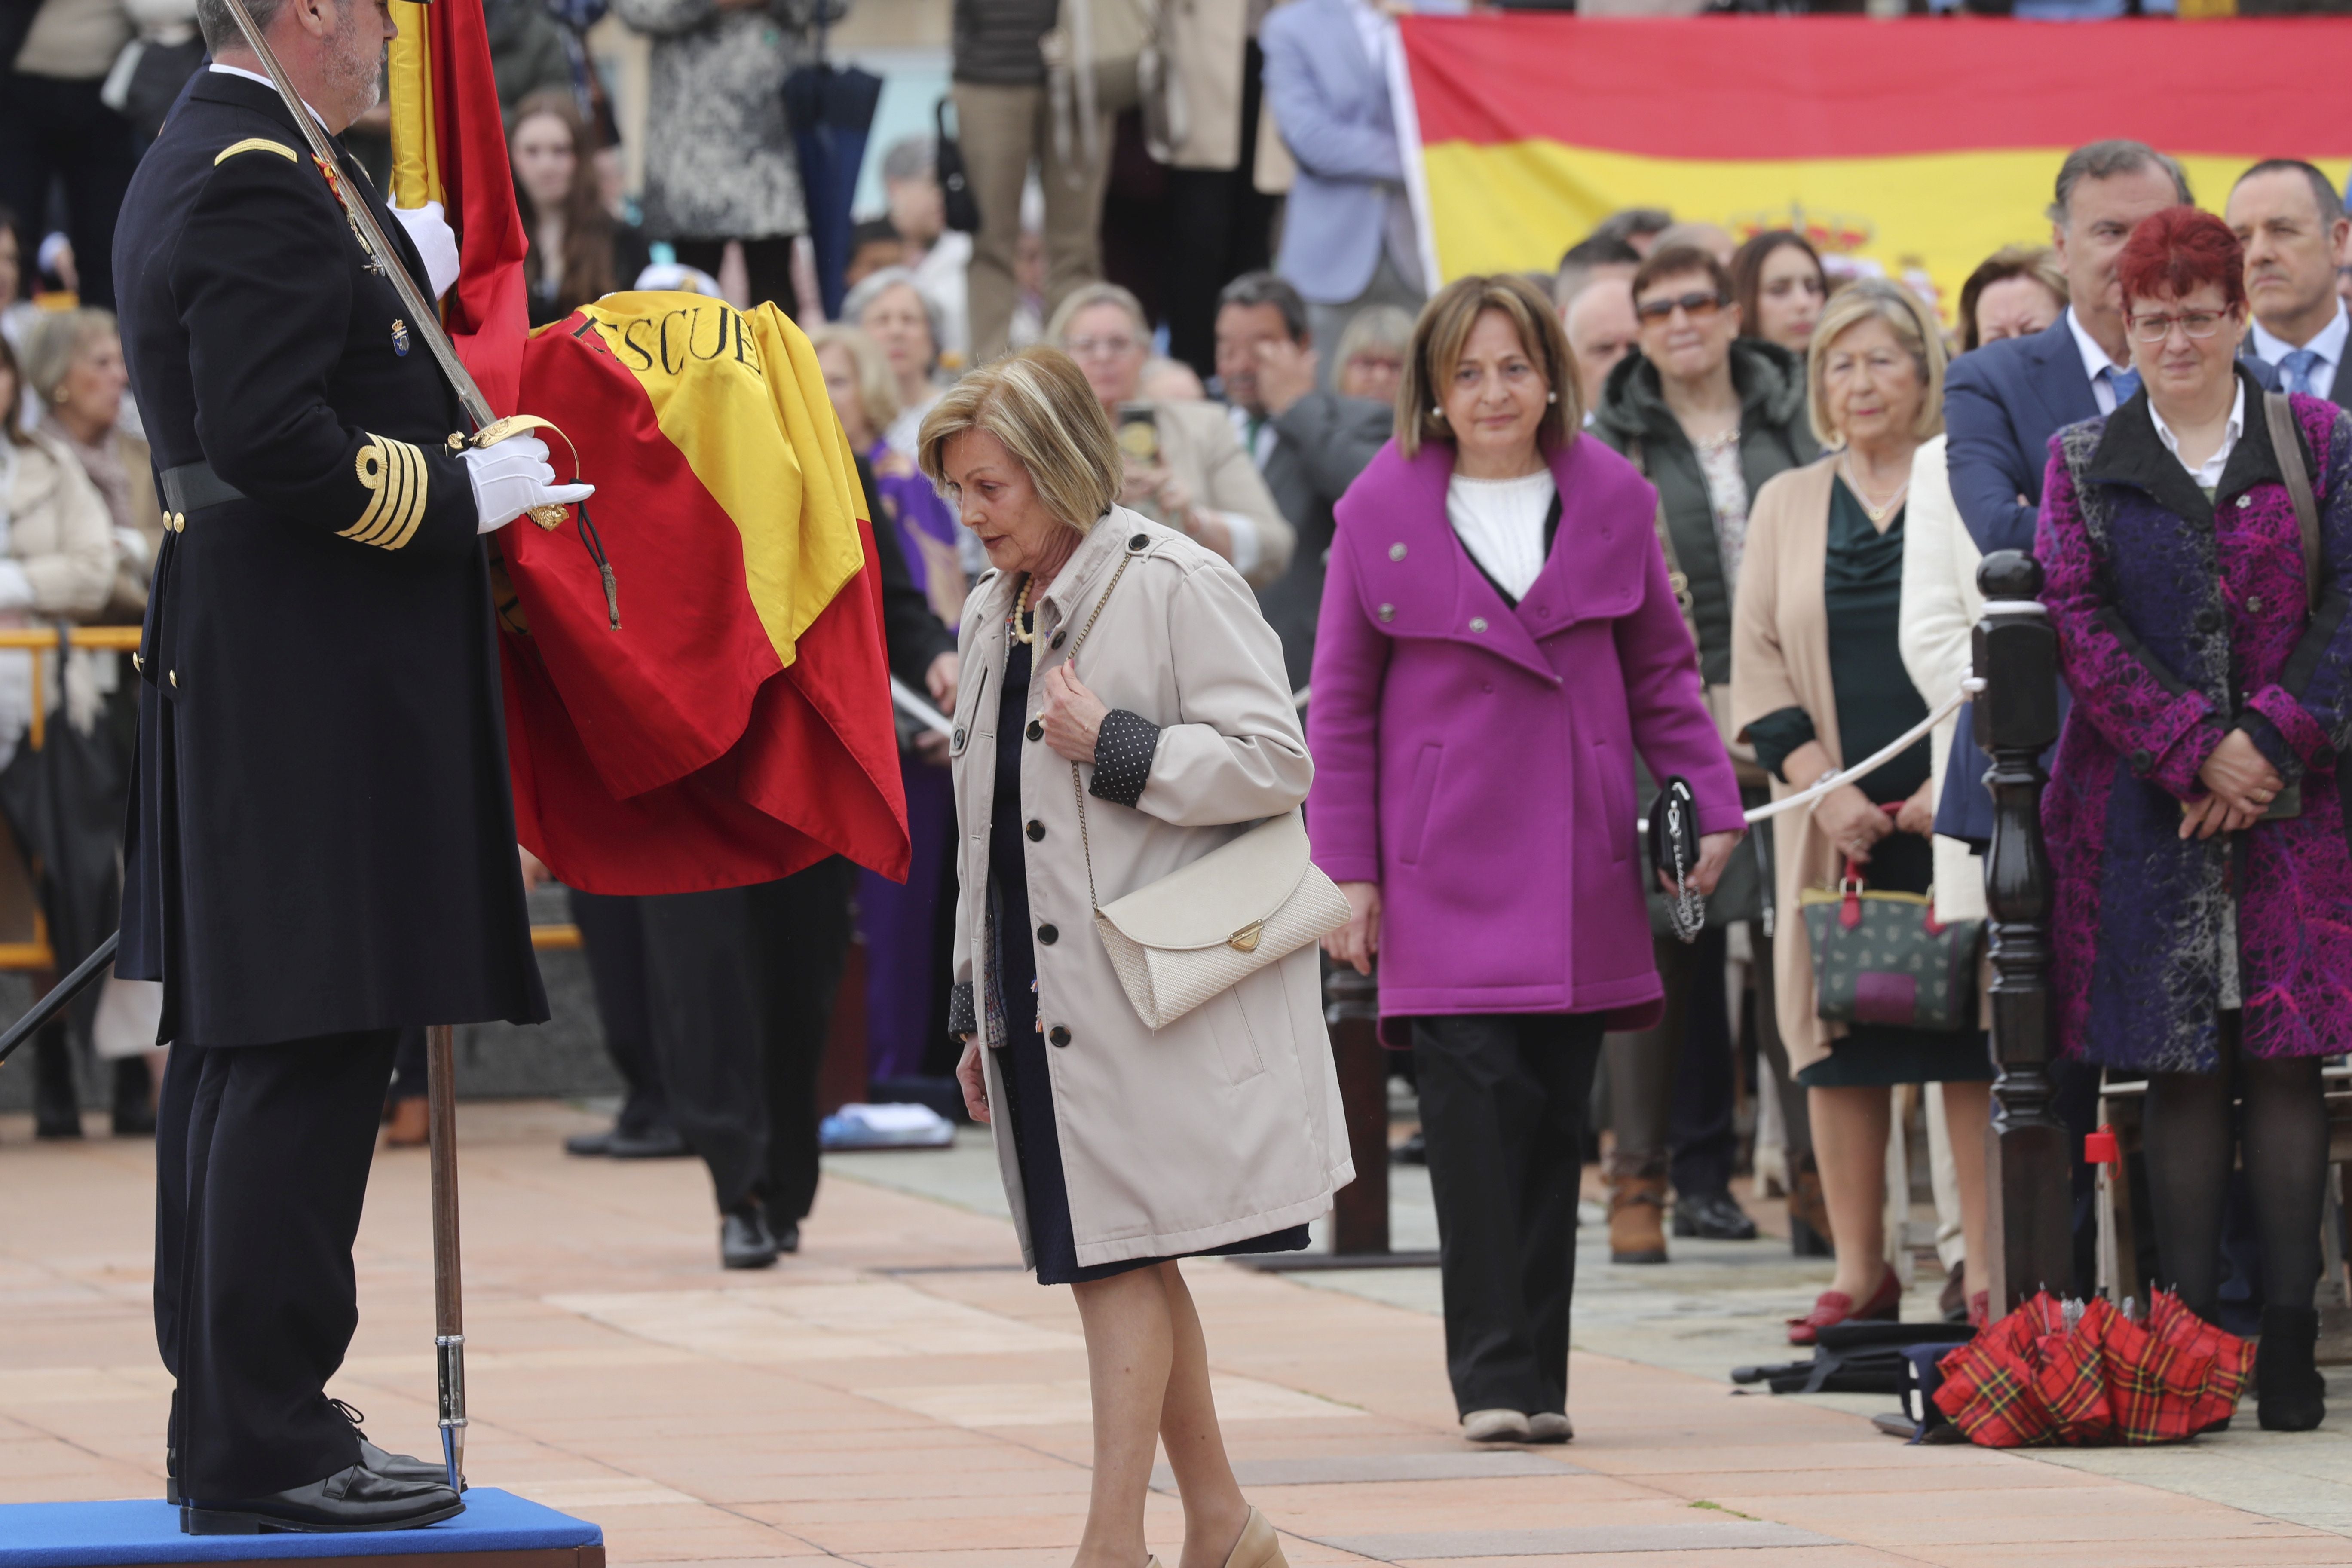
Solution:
(2196, 815)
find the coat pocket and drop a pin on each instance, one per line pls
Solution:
(1228, 1021)
(1418, 797)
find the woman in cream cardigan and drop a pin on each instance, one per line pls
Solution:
(1816, 681)
(1184, 464)
(1083, 773)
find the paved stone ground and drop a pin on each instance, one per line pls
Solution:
(900, 1395)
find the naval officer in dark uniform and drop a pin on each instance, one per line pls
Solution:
(321, 849)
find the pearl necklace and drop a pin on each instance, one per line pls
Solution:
(1021, 609)
(1877, 514)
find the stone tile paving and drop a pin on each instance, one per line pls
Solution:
(900, 1395)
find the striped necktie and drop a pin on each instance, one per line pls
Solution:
(2294, 371)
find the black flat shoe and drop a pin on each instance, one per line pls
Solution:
(57, 1098)
(788, 1239)
(352, 1498)
(2290, 1393)
(591, 1145)
(1714, 1217)
(134, 1098)
(661, 1141)
(744, 1239)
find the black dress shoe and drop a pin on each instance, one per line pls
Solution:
(591, 1145)
(352, 1498)
(57, 1098)
(383, 1462)
(660, 1141)
(788, 1237)
(744, 1239)
(1712, 1216)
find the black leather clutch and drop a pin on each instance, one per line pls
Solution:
(1673, 850)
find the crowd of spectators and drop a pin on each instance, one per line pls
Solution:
(1242, 285)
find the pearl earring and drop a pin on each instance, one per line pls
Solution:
(1437, 412)
(1552, 397)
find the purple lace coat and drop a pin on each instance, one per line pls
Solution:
(2156, 595)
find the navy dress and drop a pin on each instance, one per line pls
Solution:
(1028, 1087)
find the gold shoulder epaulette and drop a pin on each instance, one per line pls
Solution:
(256, 144)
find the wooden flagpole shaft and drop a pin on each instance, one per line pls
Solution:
(448, 1280)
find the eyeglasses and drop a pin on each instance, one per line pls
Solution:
(1100, 348)
(1698, 307)
(2199, 324)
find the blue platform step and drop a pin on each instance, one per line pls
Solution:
(498, 1529)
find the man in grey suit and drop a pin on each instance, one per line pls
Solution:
(2291, 223)
(1309, 445)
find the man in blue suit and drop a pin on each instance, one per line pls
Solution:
(1348, 239)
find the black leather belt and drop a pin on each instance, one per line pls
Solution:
(192, 487)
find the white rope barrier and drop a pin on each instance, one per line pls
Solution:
(1806, 797)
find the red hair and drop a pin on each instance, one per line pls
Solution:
(2174, 251)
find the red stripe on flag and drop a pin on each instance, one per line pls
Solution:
(1835, 87)
(487, 310)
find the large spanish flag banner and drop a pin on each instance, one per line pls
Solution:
(732, 723)
(1921, 144)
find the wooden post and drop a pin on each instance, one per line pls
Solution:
(1360, 1214)
(2029, 1164)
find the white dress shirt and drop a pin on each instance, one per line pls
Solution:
(2328, 345)
(2208, 475)
(2095, 362)
(1501, 523)
(257, 76)
(1259, 443)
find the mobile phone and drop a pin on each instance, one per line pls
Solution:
(1138, 434)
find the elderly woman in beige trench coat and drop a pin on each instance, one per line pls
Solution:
(1122, 1148)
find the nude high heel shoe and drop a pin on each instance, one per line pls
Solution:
(1259, 1546)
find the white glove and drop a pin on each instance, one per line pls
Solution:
(436, 241)
(513, 477)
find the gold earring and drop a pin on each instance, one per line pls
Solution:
(60, 395)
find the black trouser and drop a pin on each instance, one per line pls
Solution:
(51, 130)
(261, 1166)
(612, 935)
(743, 985)
(1503, 1103)
(767, 267)
(1219, 225)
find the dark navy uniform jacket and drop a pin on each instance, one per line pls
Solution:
(322, 837)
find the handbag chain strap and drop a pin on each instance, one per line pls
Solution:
(1078, 788)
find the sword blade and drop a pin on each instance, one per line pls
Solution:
(428, 317)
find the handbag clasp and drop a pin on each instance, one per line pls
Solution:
(1246, 939)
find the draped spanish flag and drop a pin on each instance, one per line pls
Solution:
(736, 726)
(1921, 146)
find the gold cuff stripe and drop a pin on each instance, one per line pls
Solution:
(395, 475)
(256, 144)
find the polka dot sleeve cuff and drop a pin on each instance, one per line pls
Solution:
(1124, 747)
(962, 1018)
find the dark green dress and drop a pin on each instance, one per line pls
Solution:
(1862, 589)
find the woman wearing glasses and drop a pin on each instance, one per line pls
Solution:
(1708, 415)
(1186, 466)
(2195, 818)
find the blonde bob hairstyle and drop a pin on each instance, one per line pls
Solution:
(1445, 328)
(877, 389)
(1876, 299)
(1085, 298)
(1038, 403)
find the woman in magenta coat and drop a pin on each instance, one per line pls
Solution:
(1498, 639)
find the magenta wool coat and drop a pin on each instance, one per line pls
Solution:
(1476, 760)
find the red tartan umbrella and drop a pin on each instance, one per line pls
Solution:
(2091, 1375)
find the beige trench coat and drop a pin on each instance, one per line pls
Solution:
(1227, 1124)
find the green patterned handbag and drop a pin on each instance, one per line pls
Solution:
(1884, 958)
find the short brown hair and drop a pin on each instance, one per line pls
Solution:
(877, 389)
(1915, 327)
(2037, 262)
(1038, 403)
(1446, 325)
(1673, 260)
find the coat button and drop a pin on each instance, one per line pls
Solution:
(1388, 614)
(1059, 1036)
(959, 739)
(1396, 552)
(176, 678)
(1058, 638)
(1036, 731)
(1049, 934)
(2253, 603)
(2208, 620)
(2245, 501)
(2141, 761)
(1036, 832)
(1137, 542)
(1477, 623)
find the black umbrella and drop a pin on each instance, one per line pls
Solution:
(832, 110)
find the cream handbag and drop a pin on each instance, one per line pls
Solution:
(1207, 926)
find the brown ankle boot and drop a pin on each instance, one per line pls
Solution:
(1637, 1231)
(412, 1125)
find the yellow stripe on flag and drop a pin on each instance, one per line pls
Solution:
(1515, 206)
(741, 394)
(416, 160)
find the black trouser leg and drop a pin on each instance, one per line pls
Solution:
(176, 1130)
(1502, 1103)
(54, 129)
(767, 267)
(278, 1143)
(613, 934)
(702, 982)
(803, 933)
(411, 1073)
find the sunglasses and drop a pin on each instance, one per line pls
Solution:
(1698, 307)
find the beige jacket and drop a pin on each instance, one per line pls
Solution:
(1780, 658)
(58, 531)
(1228, 1123)
(1940, 609)
(1205, 46)
(1198, 443)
